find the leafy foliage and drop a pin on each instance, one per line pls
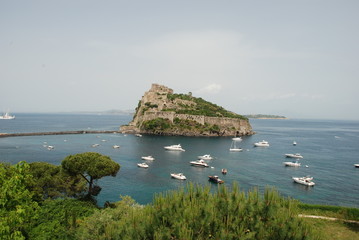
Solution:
(91, 166)
(196, 213)
(17, 207)
(60, 218)
(50, 181)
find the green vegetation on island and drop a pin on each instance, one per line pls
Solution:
(200, 106)
(36, 203)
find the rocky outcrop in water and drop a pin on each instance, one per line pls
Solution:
(162, 112)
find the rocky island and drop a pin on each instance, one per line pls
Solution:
(162, 112)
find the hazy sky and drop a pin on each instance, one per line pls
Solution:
(293, 58)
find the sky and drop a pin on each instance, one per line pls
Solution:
(282, 57)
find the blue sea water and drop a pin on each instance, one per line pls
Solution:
(329, 147)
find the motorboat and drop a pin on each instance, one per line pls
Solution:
(304, 180)
(7, 116)
(356, 165)
(205, 157)
(294, 143)
(142, 165)
(238, 139)
(116, 146)
(224, 171)
(292, 164)
(261, 144)
(199, 163)
(95, 145)
(177, 147)
(179, 176)
(234, 147)
(293, 155)
(50, 147)
(148, 158)
(215, 179)
(138, 135)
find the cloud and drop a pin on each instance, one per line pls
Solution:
(210, 89)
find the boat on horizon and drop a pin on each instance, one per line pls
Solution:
(7, 116)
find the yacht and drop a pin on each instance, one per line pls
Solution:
(199, 163)
(50, 147)
(292, 155)
(356, 165)
(292, 164)
(294, 143)
(261, 144)
(116, 146)
(205, 157)
(148, 158)
(234, 147)
(179, 176)
(142, 165)
(215, 179)
(174, 148)
(7, 116)
(304, 180)
(238, 139)
(138, 135)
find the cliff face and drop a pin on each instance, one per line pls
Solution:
(162, 112)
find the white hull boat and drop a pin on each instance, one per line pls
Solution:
(292, 164)
(292, 155)
(199, 163)
(116, 146)
(234, 147)
(7, 116)
(205, 157)
(142, 165)
(304, 180)
(356, 165)
(261, 144)
(148, 158)
(179, 176)
(238, 139)
(177, 147)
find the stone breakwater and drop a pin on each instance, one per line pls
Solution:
(2, 135)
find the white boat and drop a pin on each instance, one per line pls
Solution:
(148, 158)
(7, 116)
(174, 148)
(95, 145)
(234, 147)
(142, 165)
(238, 139)
(116, 146)
(199, 163)
(292, 164)
(356, 165)
(205, 157)
(50, 147)
(179, 176)
(138, 135)
(292, 155)
(294, 143)
(261, 144)
(304, 180)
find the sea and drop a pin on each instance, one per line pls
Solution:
(330, 148)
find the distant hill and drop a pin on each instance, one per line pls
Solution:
(265, 116)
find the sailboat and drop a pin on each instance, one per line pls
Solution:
(234, 147)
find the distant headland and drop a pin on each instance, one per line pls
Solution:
(265, 116)
(162, 112)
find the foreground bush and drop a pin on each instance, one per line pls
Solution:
(196, 213)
